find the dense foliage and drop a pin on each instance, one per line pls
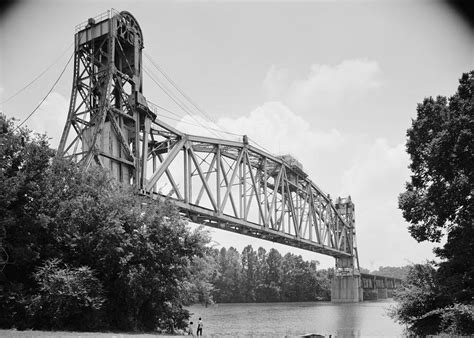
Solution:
(425, 309)
(439, 199)
(84, 252)
(65, 296)
(258, 276)
(392, 271)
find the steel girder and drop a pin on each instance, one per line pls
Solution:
(238, 187)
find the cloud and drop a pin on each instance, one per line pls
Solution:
(376, 165)
(281, 130)
(371, 170)
(326, 88)
(274, 127)
(374, 180)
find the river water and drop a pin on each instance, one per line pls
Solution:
(296, 319)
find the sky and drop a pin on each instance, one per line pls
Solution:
(333, 83)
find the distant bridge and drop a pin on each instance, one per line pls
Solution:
(230, 185)
(369, 287)
(378, 287)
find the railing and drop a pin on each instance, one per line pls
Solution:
(98, 18)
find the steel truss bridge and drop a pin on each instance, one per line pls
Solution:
(230, 185)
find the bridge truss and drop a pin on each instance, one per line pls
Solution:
(230, 185)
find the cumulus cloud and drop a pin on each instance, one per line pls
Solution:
(326, 88)
(376, 165)
(281, 130)
(272, 124)
(276, 128)
(368, 168)
(374, 180)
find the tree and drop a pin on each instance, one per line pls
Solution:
(139, 251)
(440, 196)
(199, 284)
(261, 266)
(249, 273)
(441, 147)
(418, 295)
(294, 278)
(263, 277)
(439, 199)
(392, 271)
(24, 158)
(274, 267)
(228, 283)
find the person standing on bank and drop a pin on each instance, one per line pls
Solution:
(199, 329)
(191, 329)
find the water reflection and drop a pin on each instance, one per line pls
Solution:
(296, 319)
(348, 320)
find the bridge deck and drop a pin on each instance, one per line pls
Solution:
(210, 218)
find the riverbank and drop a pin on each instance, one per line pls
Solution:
(271, 319)
(29, 333)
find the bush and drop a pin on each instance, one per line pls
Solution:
(68, 298)
(457, 319)
(417, 296)
(425, 310)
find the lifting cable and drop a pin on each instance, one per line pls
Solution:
(176, 100)
(221, 130)
(179, 90)
(178, 119)
(37, 77)
(49, 92)
(183, 94)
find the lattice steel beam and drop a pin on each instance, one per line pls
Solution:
(230, 185)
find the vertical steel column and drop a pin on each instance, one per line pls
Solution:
(185, 172)
(244, 185)
(190, 174)
(265, 197)
(154, 169)
(218, 179)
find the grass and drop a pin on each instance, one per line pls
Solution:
(29, 333)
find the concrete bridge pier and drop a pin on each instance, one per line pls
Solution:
(346, 289)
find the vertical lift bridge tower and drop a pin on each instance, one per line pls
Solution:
(110, 124)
